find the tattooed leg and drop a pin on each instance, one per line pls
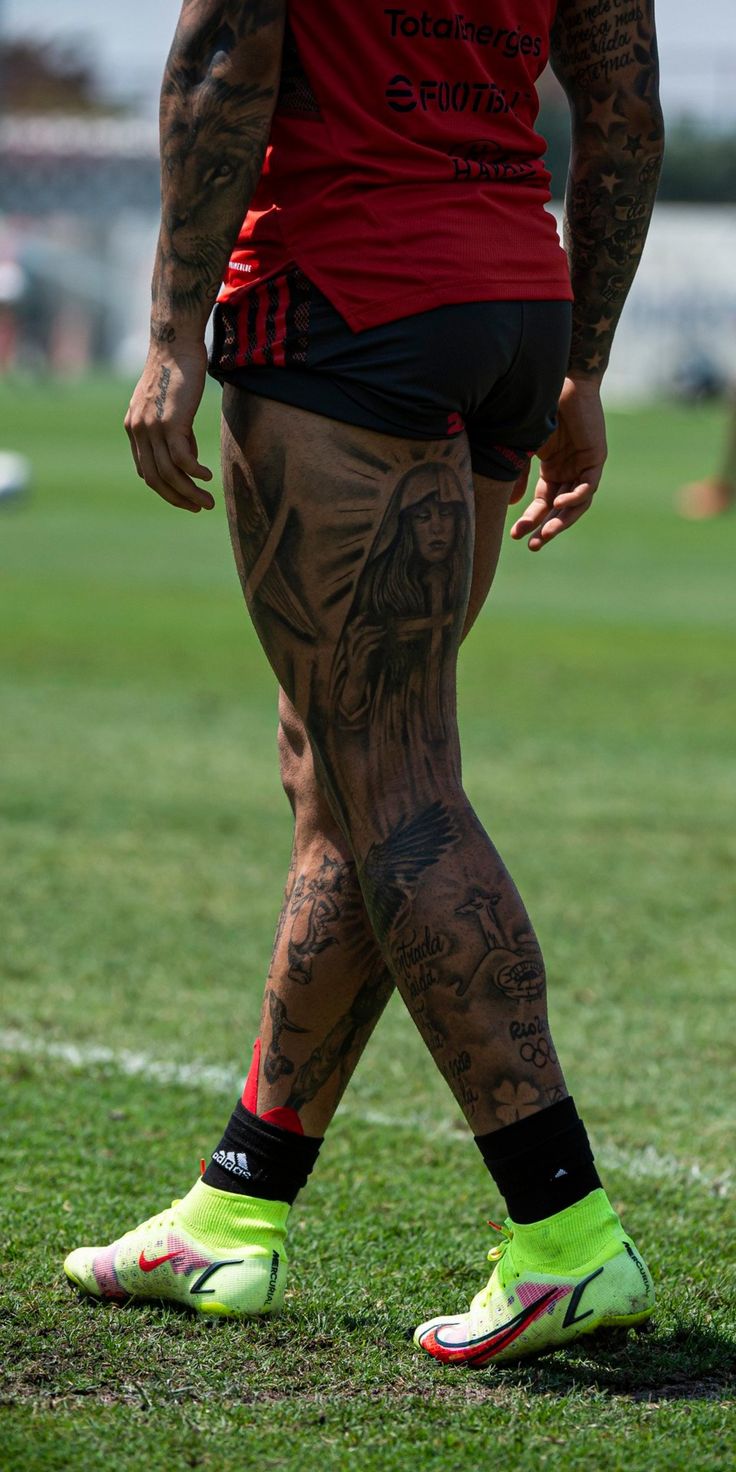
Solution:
(355, 552)
(324, 939)
(328, 982)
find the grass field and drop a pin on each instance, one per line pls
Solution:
(145, 845)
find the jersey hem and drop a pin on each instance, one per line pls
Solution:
(382, 310)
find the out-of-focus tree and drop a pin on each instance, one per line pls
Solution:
(699, 163)
(49, 76)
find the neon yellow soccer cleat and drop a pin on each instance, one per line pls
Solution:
(214, 1252)
(525, 1310)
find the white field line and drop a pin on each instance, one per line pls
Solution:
(210, 1078)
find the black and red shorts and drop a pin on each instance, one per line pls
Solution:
(492, 369)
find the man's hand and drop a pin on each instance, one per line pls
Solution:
(571, 467)
(160, 420)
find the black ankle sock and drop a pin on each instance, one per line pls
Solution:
(259, 1159)
(541, 1164)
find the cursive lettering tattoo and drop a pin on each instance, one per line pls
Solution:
(458, 1065)
(468, 1097)
(413, 961)
(431, 1026)
(537, 1027)
(415, 950)
(163, 389)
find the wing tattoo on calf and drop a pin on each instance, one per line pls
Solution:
(391, 868)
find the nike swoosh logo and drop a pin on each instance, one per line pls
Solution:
(147, 1266)
(499, 1338)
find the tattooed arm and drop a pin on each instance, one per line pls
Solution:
(217, 101)
(605, 56)
(609, 69)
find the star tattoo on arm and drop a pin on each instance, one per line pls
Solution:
(606, 61)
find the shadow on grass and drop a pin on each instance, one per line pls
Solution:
(687, 1364)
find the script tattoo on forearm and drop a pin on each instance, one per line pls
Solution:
(605, 55)
(217, 100)
(163, 389)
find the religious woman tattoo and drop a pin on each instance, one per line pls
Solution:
(389, 666)
(392, 684)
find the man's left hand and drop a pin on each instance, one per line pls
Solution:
(571, 466)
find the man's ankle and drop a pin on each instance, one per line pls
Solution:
(541, 1164)
(228, 1219)
(569, 1239)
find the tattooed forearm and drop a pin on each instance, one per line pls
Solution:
(605, 55)
(217, 100)
(162, 331)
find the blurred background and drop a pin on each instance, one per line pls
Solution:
(79, 194)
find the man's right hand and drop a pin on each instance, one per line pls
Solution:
(160, 424)
(571, 467)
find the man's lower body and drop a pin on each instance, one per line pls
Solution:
(364, 556)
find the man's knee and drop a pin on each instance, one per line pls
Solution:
(295, 755)
(299, 777)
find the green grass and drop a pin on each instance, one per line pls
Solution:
(145, 845)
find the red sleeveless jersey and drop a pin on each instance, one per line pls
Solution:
(404, 171)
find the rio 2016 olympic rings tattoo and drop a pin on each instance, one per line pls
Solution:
(539, 1053)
